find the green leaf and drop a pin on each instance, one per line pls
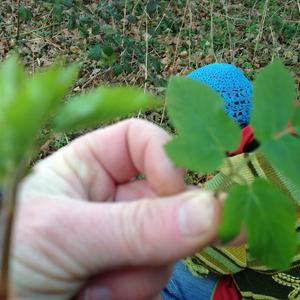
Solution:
(12, 75)
(233, 213)
(109, 60)
(107, 49)
(58, 12)
(132, 19)
(296, 117)
(271, 225)
(205, 131)
(270, 221)
(185, 152)
(117, 69)
(27, 110)
(151, 6)
(72, 22)
(273, 95)
(100, 105)
(68, 3)
(25, 13)
(85, 21)
(283, 154)
(96, 29)
(95, 52)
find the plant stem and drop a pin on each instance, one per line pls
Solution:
(18, 20)
(31, 31)
(8, 216)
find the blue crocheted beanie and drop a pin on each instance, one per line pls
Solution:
(233, 86)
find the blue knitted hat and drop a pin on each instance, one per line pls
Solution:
(233, 86)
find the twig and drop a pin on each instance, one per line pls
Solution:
(178, 37)
(228, 31)
(164, 15)
(190, 30)
(163, 113)
(124, 19)
(32, 31)
(147, 52)
(274, 41)
(175, 54)
(212, 29)
(48, 41)
(112, 18)
(18, 20)
(94, 76)
(261, 28)
(135, 5)
(162, 18)
(8, 214)
(66, 138)
(146, 55)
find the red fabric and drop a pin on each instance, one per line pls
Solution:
(290, 126)
(247, 137)
(226, 289)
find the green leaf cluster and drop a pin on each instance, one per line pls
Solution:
(205, 134)
(269, 219)
(25, 13)
(117, 50)
(202, 125)
(25, 104)
(28, 100)
(104, 52)
(273, 109)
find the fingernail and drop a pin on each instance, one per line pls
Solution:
(196, 214)
(98, 293)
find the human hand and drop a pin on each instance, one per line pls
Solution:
(87, 228)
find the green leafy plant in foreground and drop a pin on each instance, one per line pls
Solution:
(26, 103)
(205, 134)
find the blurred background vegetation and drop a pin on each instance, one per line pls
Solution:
(143, 43)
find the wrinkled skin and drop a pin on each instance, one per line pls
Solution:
(87, 228)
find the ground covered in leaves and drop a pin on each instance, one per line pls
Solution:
(143, 43)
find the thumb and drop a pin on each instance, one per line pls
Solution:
(145, 232)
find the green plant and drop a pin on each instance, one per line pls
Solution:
(26, 104)
(206, 134)
(201, 144)
(25, 13)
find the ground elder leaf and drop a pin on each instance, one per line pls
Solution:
(178, 145)
(25, 13)
(204, 128)
(233, 213)
(270, 221)
(273, 95)
(283, 154)
(95, 52)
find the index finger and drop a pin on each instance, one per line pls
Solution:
(130, 148)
